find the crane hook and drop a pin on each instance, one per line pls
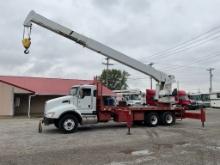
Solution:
(26, 51)
(26, 41)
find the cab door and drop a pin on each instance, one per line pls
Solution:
(85, 100)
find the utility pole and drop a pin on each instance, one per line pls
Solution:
(107, 63)
(151, 64)
(210, 78)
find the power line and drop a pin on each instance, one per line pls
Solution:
(194, 40)
(182, 50)
(177, 65)
(187, 75)
(209, 58)
(187, 48)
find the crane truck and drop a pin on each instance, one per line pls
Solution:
(85, 105)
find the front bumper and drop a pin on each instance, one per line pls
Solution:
(48, 121)
(45, 121)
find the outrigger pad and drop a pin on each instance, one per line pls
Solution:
(40, 126)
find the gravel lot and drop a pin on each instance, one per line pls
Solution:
(185, 143)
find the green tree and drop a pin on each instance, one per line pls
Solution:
(114, 79)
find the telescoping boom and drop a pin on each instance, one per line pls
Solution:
(164, 81)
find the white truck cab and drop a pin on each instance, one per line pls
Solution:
(68, 111)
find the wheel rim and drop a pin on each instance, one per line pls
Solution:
(69, 124)
(169, 119)
(154, 120)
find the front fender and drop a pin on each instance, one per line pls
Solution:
(59, 110)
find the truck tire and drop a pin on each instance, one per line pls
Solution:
(168, 118)
(68, 123)
(152, 119)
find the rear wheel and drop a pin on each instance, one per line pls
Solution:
(152, 119)
(68, 123)
(168, 118)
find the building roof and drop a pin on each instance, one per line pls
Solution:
(47, 86)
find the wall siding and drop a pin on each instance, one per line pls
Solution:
(6, 100)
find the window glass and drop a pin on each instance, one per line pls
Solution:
(218, 95)
(74, 91)
(135, 97)
(205, 97)
(195, 97)
(86, 92)
(183, 97)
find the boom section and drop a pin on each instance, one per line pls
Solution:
(95, 46)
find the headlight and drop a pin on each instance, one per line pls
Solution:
(50, 114)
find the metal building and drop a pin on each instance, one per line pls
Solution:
(27, 95)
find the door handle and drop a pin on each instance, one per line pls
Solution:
(89, 106)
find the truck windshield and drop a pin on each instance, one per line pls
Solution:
(205, 97)
(183, 97)
(195, 97)
(74, 91)
(135, 97)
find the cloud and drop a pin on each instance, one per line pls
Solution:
(136, 28)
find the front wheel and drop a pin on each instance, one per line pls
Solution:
(68, 124)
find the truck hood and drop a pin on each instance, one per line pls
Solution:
(50, 104)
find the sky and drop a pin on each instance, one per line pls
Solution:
(181, 37)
